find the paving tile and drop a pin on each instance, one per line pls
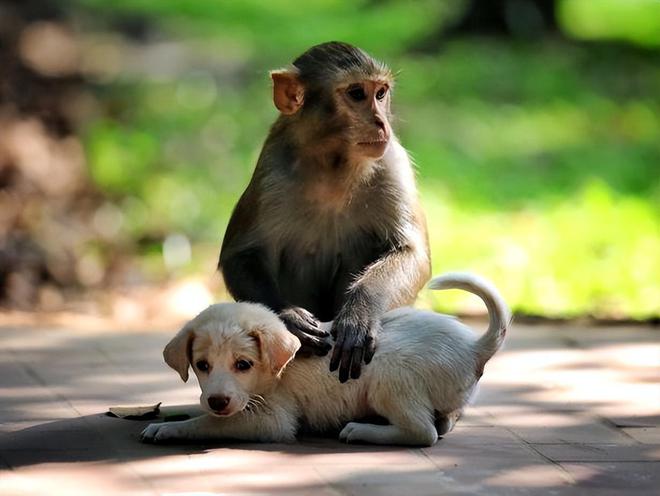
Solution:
(58, 440)
(477, 416)
(635, 420)
(209, 474)
(54, 479)
(311, 452)
(66, 459)
(562, 427)
(365, 480)
(469, 435)
(616, 478)
(646, 435)
(498, 469)
(597, 452)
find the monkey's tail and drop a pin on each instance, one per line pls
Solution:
(498, 312)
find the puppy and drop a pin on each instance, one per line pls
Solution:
(422, 375)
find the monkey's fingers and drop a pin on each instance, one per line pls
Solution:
(345, 365)
(312, 345)
(313, 338)
(349, 353)
(303, 320)
(356, 362)
(314, 330)
(336, 352)
(312, 322)
(304, 352)
(370, 348)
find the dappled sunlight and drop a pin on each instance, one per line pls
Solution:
(52, 480)
(610, 377)
(534, 416)
(539, 476)
(633, 355)
(189, 298)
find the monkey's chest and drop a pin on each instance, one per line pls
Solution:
(314, 268)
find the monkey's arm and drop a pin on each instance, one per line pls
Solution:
(247, 277)
(392, 280)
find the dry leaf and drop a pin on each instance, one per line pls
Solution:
(135, 412)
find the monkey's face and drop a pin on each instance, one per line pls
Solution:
(364, 105)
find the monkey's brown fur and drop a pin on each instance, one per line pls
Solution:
(330, 226)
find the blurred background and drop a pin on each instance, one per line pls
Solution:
(128, 130)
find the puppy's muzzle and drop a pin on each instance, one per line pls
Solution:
(218, 403)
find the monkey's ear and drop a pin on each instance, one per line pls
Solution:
(178, 350)
(288, 91)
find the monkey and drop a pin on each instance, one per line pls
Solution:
(330, 226)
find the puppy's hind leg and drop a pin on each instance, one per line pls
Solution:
(445, 422)
(411, 420)
(389, 434)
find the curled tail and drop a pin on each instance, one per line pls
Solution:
(498, 312)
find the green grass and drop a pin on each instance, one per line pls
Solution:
(538, 163)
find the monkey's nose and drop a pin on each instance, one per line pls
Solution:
(218, 403)
(379, 122)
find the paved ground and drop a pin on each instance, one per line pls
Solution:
(562, 410)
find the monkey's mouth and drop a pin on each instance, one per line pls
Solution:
(372, 149)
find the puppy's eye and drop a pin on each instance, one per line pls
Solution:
(356, 93)
(380, 94)
(243, 365)
(202, 366)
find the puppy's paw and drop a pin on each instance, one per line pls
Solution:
(354, 432)
(161, 432)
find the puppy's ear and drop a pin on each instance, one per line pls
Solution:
(276, 346)
(178, 350)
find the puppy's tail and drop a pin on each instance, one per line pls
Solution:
(498, 312)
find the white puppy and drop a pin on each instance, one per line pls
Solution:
(422, 375)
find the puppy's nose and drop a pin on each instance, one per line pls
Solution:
(218, 403)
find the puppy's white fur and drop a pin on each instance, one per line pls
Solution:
(422, 375)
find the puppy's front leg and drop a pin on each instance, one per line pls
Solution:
(275, 426)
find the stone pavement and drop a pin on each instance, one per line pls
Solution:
(562, 410)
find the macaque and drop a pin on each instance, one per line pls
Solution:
(329, 227)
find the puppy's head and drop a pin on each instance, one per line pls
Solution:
(236, 350)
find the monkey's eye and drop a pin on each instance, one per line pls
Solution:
(356, 92)
(243, 365)
(380, 94)
(202, 366)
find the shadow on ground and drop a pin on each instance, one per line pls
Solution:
(560, 411)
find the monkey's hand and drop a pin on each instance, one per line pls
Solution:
(306, 328)
(355, 342)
